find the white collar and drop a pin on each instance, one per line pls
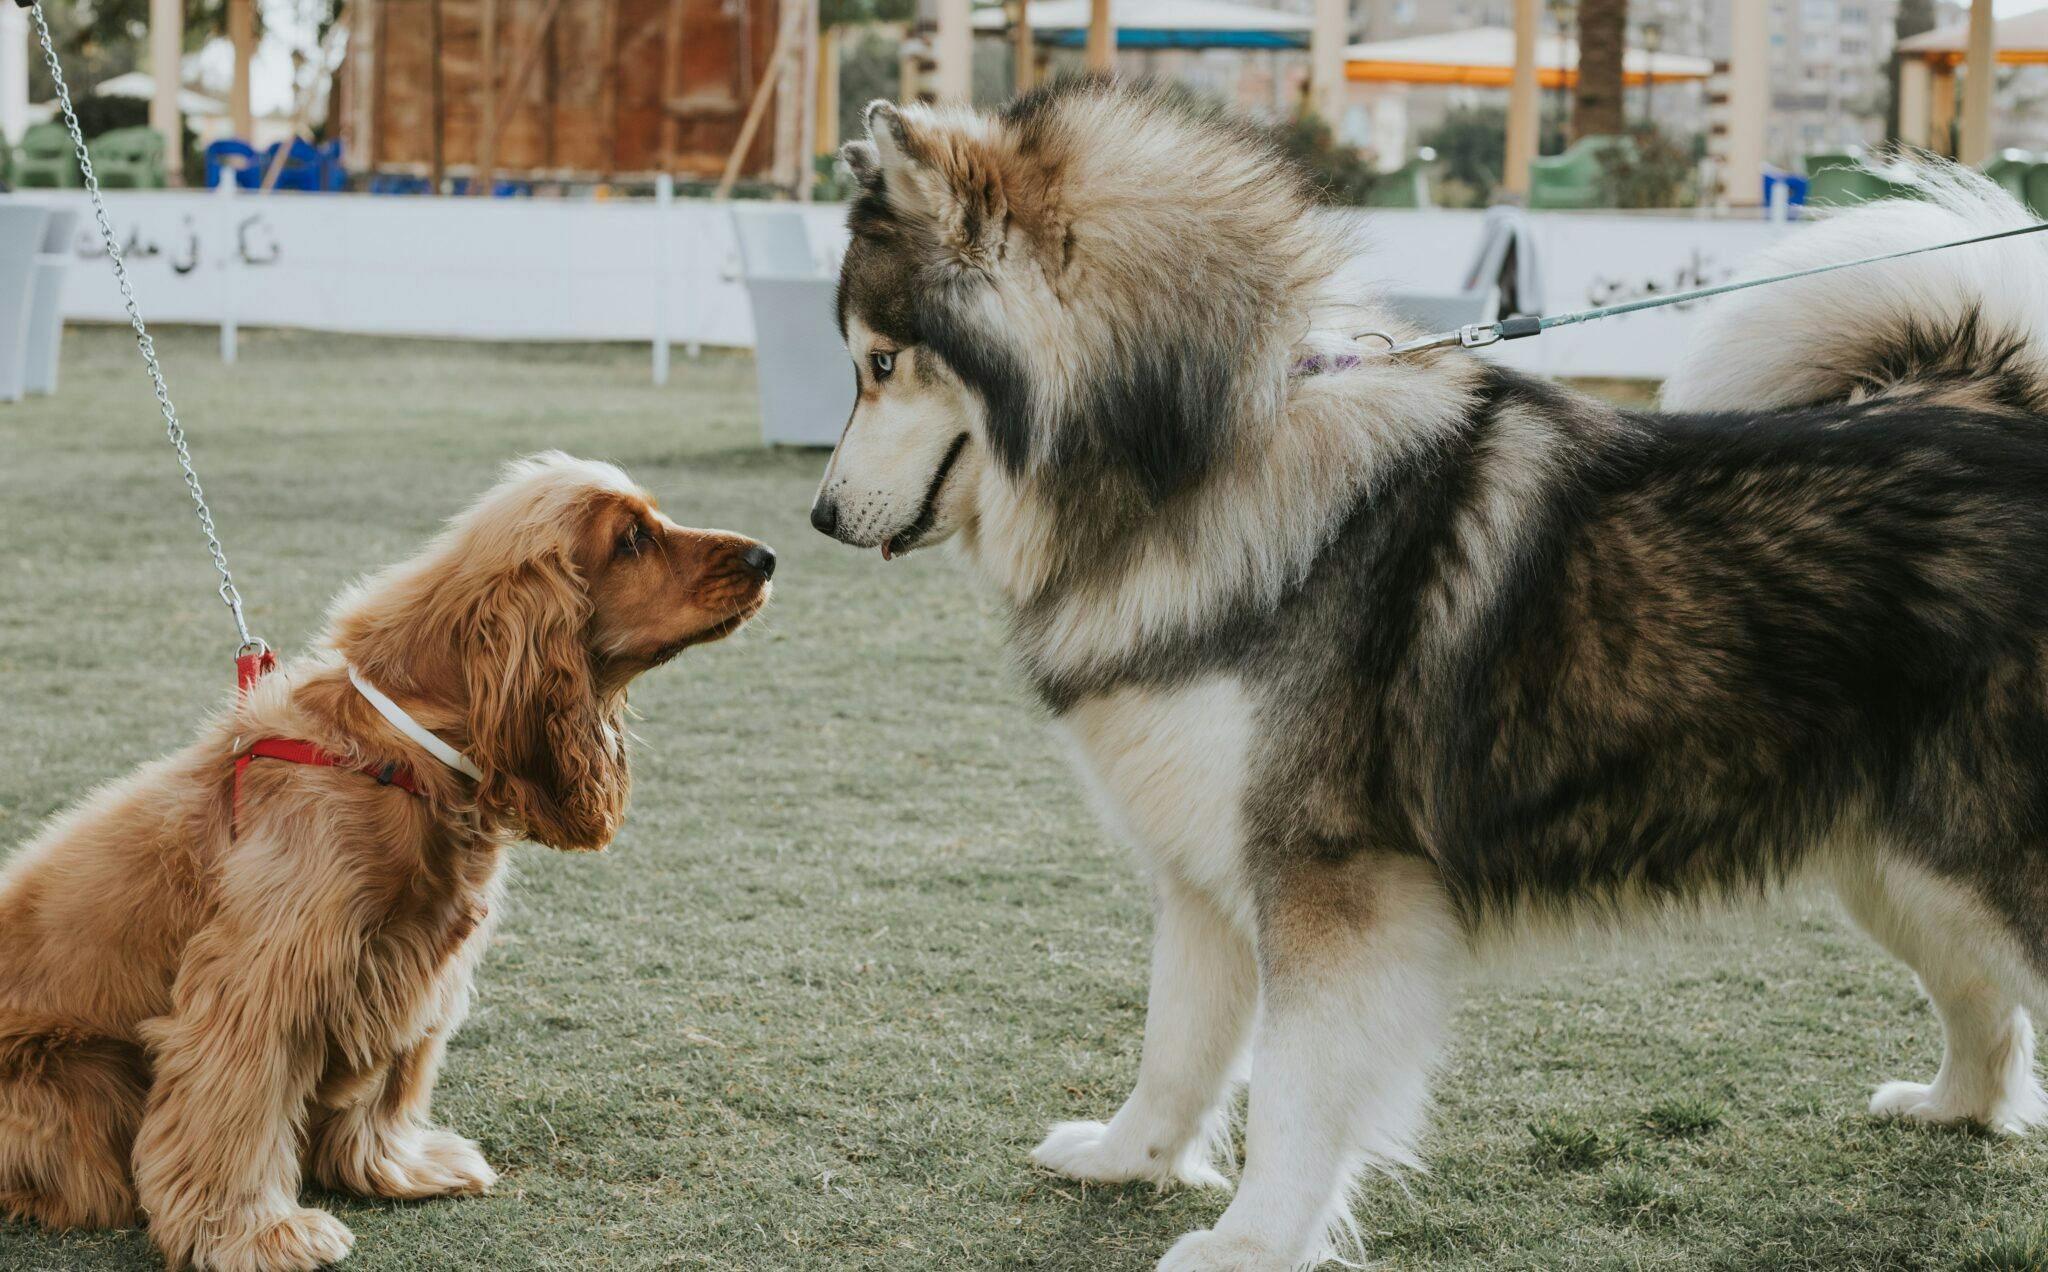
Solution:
(413, 729)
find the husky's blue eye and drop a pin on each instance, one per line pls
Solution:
(883, 364)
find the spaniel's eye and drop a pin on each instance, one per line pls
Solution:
(882, 364)
(633, 540)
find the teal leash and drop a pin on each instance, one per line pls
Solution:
(1478, 335)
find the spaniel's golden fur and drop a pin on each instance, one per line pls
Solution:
(193, 1014)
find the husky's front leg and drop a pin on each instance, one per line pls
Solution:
(1353, 961)
(1204, 987)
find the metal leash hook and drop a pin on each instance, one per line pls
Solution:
(1473, 335)
(252, 647)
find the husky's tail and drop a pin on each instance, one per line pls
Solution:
(1977, 314)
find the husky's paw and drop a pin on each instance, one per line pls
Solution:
(1916, 1102)
(1211, 1252)
(1087, 1151)
(300, 1240)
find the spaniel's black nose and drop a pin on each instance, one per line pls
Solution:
(825, 516)
(760, 559)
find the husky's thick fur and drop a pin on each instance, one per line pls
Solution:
(1378, 665)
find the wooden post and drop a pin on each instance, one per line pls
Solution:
(788, 153)
(242, 34)
(1023, 49)
(804, 103)
(487, 101)
(1941, 110)
(515, 93)
(1980, 76)
(1523, 107)
(826, 132)
(550, 84)
(954, 49)
(785, 36)
(1749, 100)
(366, 84)
(611, 89)
(438, 93)
(1101, 37)
(166, 53)
(1916, 89)
(671, 49)
(1326, 87)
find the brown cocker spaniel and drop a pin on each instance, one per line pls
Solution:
(215, 976)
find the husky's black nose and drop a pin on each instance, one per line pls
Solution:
(825, 516)
(760, 559)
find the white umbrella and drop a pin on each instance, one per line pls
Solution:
(141, 84)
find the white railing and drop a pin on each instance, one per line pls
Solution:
(628, 270)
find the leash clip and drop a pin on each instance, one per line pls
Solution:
(1477, 335)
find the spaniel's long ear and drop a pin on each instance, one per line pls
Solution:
(552, 756)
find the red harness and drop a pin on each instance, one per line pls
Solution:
(250, 668)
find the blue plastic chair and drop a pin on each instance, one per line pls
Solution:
(307, 167)
(387, 183)
(235, 159)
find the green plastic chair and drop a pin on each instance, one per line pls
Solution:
(1835, 179)
(2009, 169)
(45, 160)
(1576, 178)
(129, 159)
(1401, 188)
(2034, 188)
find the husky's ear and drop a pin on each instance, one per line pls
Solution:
(932, 173)
(860, 158)
(888, 137)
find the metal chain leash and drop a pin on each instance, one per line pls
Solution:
(174, 430)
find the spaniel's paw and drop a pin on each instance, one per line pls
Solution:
(411, 1166)
(299, 1240)
(459, 1161)
(1090, 1151)
(1209, 1251)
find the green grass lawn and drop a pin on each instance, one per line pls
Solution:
(860, 942)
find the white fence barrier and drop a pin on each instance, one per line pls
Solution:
(620, 270)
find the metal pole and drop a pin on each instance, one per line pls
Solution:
(231, 265)
(664, 205)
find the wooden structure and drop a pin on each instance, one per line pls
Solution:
(1928, 63)
(582, 90)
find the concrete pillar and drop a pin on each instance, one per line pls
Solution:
(1916, 91)
(1980, 75)
(1327, 41)
(15, 35)
(1101, 37)
(242, 34)
(1749, 102)
(1523, 108)
(954, 49)
(1941, 110)
(166, 54)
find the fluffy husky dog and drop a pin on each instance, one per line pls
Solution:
(1378, 660)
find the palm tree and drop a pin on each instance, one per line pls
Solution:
(1597, 102)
